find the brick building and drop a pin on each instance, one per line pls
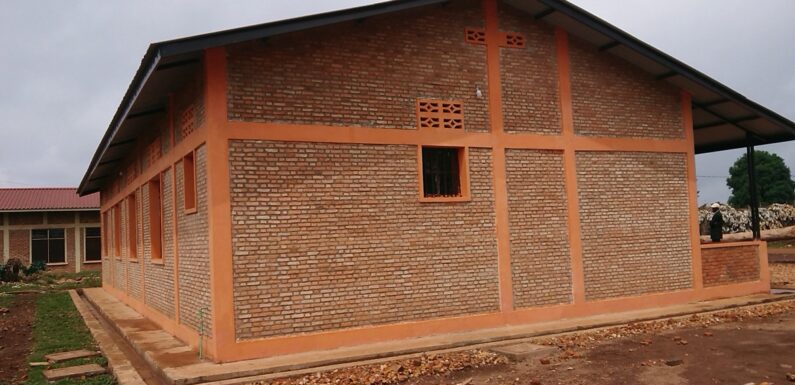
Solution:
(411, 168)
(51, 225)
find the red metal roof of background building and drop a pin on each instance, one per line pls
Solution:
(46, 198)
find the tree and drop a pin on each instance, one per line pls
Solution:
(773, 180)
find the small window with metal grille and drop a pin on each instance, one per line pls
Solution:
(444, 176)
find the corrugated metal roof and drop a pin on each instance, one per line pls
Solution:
(722, 118)
(46, 198)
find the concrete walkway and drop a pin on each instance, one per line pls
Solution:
(118, 363)
(180, 365)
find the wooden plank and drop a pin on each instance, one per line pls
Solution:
(73, 371)
(64, 356)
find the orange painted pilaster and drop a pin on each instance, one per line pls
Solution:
(174, 236)
(764, 267)
(498, 155)
(143, 245)
(692, 190)
(219, 208)
(570, 165)
(126, 247)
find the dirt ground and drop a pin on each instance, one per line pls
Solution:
(735, 346)
(15, 339)
(750, 351)
(782, 275)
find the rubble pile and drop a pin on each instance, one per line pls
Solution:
(735, 220)
(396, 371)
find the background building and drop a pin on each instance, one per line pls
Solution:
(51, 225)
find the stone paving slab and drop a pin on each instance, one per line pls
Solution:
(65, 356)
(73, 371)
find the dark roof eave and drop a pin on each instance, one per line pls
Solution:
(148, 65)
(665, 60)
(158, 51)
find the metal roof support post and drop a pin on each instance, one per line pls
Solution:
(752, 190)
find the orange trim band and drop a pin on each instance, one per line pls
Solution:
(498, 156)
(570, 164)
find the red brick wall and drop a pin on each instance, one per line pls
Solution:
(635, 224)
(61, 218)
(529, 76)
(19, 245)
(25, 218)
(330, 236)
(193, 246)
(724, 265)
(158, 277)
(613, 98)
(89, 217)
(540, 259)
(363, 74)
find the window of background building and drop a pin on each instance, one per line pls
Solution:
(47, 245)
(92, 244)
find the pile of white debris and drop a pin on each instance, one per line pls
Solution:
(735, 220)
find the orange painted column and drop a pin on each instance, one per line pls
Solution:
(498, 156)
(570, 165)
(219, 208)
(174, 236)
(692, 190)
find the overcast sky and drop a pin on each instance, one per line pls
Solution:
(65, 65)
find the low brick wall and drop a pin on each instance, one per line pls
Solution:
(729, 263)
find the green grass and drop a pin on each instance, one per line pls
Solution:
(58, 327)
(6, 300)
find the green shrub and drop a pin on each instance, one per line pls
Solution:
(35, 267)
(10, 271)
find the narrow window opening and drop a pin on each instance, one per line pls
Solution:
(189, 182)
(117, 230)
(155, 219)
(132, 227)
(105, 241)
(441, 176)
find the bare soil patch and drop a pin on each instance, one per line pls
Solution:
(782, 275)
(735, 346)
(15, 338)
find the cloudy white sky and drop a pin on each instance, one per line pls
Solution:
(66, 64)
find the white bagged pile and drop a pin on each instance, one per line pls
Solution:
(735, 220)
